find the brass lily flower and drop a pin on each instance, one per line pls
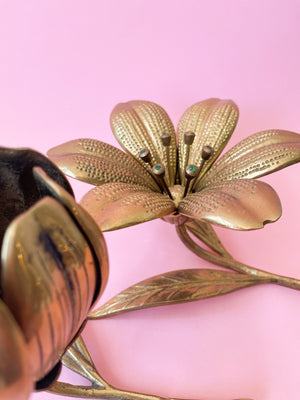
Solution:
(53, 267)
(161, 180)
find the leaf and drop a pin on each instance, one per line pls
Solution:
(78, 359)
(205, 232)
(175, 287)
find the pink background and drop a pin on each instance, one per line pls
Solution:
(64, 65)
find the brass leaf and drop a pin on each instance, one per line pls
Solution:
(118, 205)
(139, 124)
(175, 287)
(238, 204)
(213, 121)
(256, 156)
(205, 232)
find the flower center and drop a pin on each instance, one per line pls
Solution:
(191, 171)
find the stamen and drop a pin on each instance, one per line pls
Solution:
(166, 141)
(206, 154)
(189, 138)
(145, 155)
(188, 141)
(191, 172)
(159, 172)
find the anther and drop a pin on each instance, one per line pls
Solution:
(145, 155)
(159, 172)
(191, 172)
(207, 152)
(189, 138)
(166, 139)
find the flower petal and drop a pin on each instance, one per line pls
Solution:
(48, 278)
(97, 163)
(213, 121)
(257, 155)
(16, 381)
(139, 124)
(118, 205)
(239, 204)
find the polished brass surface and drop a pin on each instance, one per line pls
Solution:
(53, 267)
(223, 192)
(85, 223)
(16, 377)
(48, 279)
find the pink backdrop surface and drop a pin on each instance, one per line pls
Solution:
(63, 67)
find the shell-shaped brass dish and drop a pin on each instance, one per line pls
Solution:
(48, 279)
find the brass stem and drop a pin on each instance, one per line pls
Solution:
(233, 264)
(111, 393)
(187, 156)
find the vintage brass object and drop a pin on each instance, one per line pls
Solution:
(224, 192)
(53, 267)
(51, 277)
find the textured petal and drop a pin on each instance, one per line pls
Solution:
(97, 163)
(257, 155)
(213, 122)
(48, 278)
(16, 380)
(139, 124)
(239, 204)
(118, 205)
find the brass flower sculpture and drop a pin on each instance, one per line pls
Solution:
(156, 183)
(53, 257)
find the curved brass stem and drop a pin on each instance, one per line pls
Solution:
(233, 264)
(111, 393)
